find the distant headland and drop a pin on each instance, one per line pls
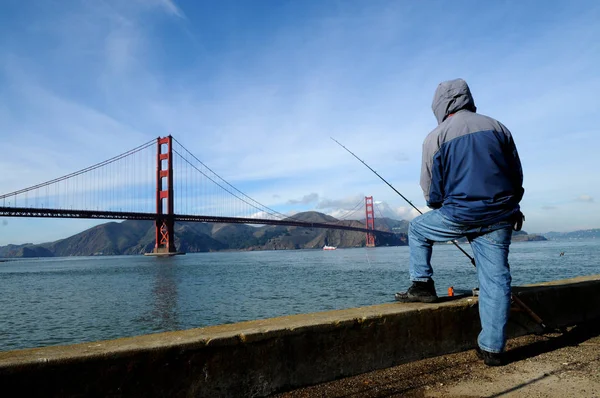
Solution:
(137, 237)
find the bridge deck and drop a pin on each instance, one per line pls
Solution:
(121, 215)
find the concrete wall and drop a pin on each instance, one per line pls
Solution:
(260, 357)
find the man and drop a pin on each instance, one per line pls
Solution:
(471, 176)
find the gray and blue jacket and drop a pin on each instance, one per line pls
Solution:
(471, 170)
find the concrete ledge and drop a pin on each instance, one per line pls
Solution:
(563, 303)
(260, 357)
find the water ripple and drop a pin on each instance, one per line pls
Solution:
(80, 299)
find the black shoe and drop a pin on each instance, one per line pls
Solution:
(490, 358)
(419, 292)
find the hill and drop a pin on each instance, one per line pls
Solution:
(518, 236)
(581, 234)
(137, 237)
(522, 236)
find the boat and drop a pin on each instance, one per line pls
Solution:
(329, 247)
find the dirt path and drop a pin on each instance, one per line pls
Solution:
(555, 365)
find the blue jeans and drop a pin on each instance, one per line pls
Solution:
(490, 246)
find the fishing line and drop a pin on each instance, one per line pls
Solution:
(402, 196)
(367, 255)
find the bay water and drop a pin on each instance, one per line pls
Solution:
(50, 301)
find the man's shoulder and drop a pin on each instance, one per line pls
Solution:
(440, 134)
(461, 124)
(479, 121)
(433, 138)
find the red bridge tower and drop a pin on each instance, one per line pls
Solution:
(165, 222)
(370, 221)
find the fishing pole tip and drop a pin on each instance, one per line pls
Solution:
(337, 142)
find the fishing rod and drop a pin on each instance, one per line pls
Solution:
(517, 300)
(402, 196)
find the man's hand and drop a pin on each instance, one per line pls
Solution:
(434, 205)
(517, 220)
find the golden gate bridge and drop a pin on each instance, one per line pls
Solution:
(150, 182)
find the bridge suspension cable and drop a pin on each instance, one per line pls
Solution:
(97, 187)
(82, 171)
(381, 217)
(223, 184)
(360, 205)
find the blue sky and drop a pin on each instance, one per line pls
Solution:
(255, 90)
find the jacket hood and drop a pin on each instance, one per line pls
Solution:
(450, 97)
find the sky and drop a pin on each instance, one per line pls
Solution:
(256, 89)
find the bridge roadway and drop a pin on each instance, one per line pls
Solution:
(121, 215)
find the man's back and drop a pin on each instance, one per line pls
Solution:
(472, 176)
(471, 168)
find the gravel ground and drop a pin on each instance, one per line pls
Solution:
(553, 365)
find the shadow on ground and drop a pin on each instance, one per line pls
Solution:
(429, 377)
(572, 337)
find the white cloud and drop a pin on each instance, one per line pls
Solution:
(346, 204)
(170, 7)
(306, 199)
(352, 210)
(585, 198)
(398, 213)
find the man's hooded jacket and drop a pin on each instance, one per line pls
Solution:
(471, 169)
